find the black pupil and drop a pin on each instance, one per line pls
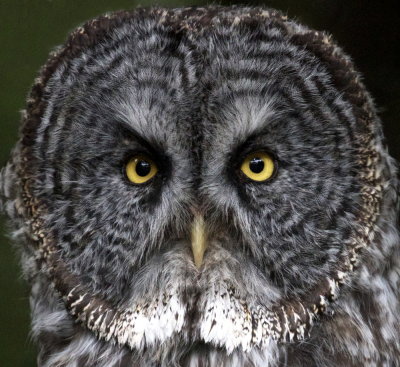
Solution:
(256, 165)
(143, 168)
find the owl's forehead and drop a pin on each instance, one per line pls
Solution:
(227, 83)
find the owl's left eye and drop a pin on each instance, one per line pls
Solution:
(140, 169)
(258, 166)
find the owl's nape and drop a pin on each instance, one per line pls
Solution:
(205, 187)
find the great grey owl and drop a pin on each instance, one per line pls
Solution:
(205, 187)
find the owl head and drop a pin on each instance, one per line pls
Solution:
(200, 177)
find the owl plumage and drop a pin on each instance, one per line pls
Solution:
(300, 269)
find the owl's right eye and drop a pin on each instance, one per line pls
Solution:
(140, 169)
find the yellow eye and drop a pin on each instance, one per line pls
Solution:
(140, 169)
(258, 166)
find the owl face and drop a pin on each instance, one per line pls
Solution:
(198, 176)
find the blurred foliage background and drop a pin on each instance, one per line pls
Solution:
(367, 30)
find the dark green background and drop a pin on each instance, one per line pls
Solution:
(368, 30)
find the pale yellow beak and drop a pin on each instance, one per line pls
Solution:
(199, 240)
